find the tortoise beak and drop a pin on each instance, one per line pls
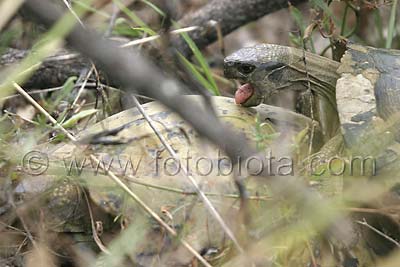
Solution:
(253, 101)
(247, 99)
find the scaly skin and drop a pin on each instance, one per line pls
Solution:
(273, 68)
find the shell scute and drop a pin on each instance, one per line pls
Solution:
(369, 87)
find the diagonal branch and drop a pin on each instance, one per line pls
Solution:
(132, 70)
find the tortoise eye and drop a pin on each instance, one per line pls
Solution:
(246, 68)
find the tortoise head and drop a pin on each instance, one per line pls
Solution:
(266, 69)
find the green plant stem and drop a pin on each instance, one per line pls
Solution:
(344, 20)
(378, 22)
(392, 22)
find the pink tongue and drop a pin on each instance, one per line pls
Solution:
(243, 93)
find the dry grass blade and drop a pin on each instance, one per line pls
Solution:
(89, 73)
(366, 224)
(34, 92)
(43, 111)
(92, 223)
(73, 12)
(115, 178)
(155, 37)
(134, 180)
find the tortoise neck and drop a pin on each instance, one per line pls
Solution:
(320, 75)
(321, 71)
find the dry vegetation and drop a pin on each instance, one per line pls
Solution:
(70, 72)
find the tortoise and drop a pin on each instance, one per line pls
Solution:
(347, 95)
(128, 134)
(127, 145)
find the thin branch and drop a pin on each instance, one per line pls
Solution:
(95, 236)
(366, 224)
(85, 80)
(134, 180)
(201, 194)
(44, 112)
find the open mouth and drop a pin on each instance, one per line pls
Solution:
(246, 95)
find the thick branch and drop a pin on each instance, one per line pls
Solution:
(230, 14)
(53, 72)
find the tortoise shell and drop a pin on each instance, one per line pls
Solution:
(132, 150)
(368, 89)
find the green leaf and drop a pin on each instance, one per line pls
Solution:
(322, 5)
(133, 16)
(272, 136)
(87, 7)
(202, 61)
(145, 30)
(296, 40)
(154, 7)
(298, 18)
(65, 91)
(75, 118)
(196, 73)
(123, 28)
